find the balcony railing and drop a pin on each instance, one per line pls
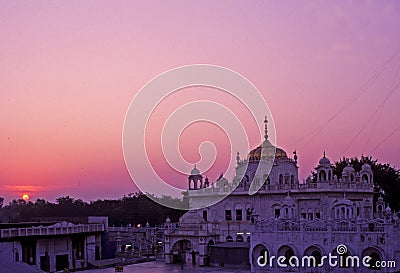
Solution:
(50, 230)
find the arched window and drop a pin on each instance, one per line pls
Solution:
(239, 238)
(317, 214)
(310, 215)
(303, 214)
(322, 175)
(229, 239)
(265, 176)
(266, 181)
(292, 179)
(238, 212)
(365, 178)
(280, 179)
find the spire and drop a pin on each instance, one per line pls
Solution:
(266, 128)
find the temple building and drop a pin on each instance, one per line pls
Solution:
(285, 217)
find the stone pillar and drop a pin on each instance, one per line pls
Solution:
(169, 258)
(52, 256)
(203, 252)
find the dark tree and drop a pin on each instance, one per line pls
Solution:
(135, 208)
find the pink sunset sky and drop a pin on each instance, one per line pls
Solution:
(69, 70)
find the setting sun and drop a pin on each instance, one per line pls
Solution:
(25, 197)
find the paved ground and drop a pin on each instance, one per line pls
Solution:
(18, 267)
(160, 267)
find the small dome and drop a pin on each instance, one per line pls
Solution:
(366, 167)
(195, 171)
(324, 160)
(348, 169)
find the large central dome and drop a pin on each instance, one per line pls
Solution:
(266, 150)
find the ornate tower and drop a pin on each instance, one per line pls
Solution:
(324, 169)
(195, 179)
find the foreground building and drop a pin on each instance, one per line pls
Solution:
(53, 246)
(286, 218)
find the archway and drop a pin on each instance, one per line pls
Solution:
(322, 175)
(210, 243)
(260, 250)
(316, 252)
(343, 260)
(286, 251)
(376, 258)
(179, 250)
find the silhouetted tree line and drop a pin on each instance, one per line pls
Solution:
(136, 208)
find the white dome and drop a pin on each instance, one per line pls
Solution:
(195, 171)
(348, 169)
(324, 160)
(366, 167)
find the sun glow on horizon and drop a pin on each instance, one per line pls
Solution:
(25, 197)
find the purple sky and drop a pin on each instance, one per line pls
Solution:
(69, 70)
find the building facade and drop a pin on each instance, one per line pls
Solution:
(285, 217)
(53, 247)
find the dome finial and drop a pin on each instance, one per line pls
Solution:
(266, 128)
(324, 154)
